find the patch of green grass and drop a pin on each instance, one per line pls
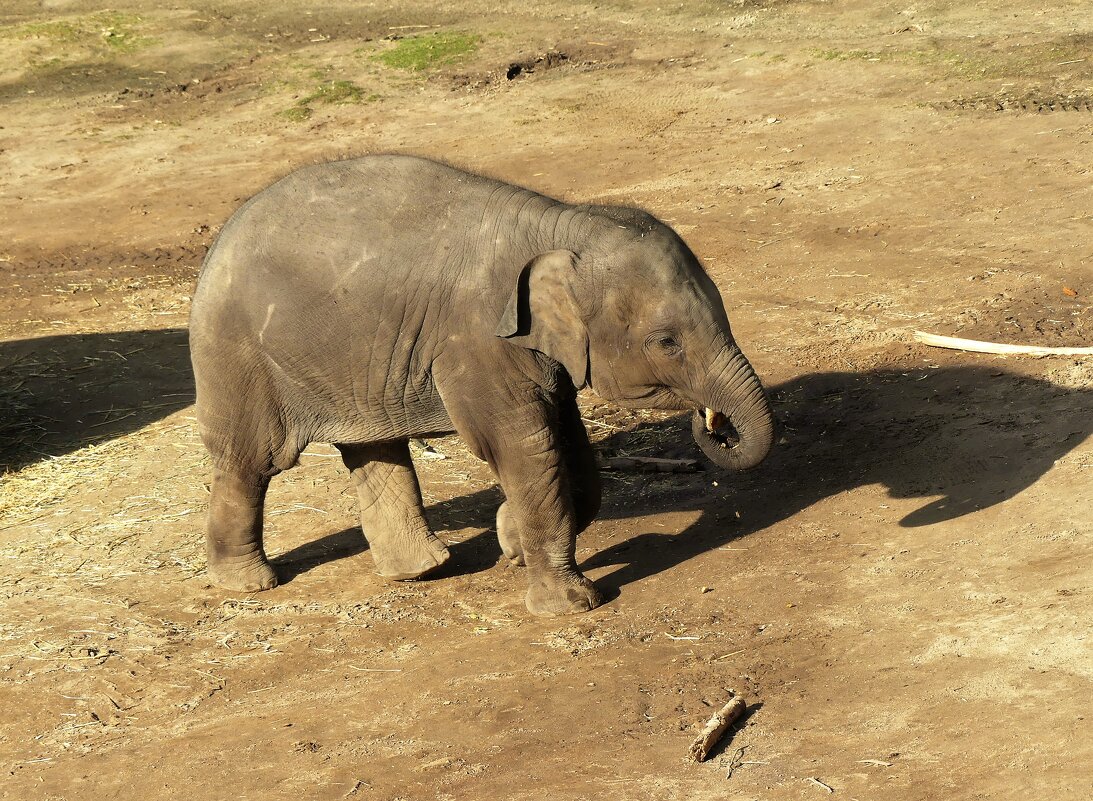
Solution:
(113, 30)
(334, 93)
(968, 61)
(58, 31)
(953, 63)
(296, 113)
(851, 55)
(417, 53)
(767, 56)
(43, 64)
(118, 34)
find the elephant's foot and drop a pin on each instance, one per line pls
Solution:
(248, 574)
(405, 561)
(562, 595)
(509, 536)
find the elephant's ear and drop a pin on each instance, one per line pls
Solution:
(542, 313)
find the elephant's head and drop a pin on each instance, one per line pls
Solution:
(631, 313)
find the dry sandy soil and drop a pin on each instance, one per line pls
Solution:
(902, 592)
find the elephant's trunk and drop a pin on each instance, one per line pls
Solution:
(736, 402)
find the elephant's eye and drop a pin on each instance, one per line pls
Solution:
(666, 343)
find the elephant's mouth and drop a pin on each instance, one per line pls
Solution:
(713, 429)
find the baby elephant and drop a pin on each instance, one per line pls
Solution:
(369, 301)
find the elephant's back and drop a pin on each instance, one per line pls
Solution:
(371, 200)
(370, 220)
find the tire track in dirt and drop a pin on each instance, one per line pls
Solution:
(176, 259)
(1033, 103)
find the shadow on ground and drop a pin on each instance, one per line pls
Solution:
(959, 438)
(473, 555)
(61, 393)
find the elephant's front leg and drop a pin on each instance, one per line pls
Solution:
(525, 451)
(583, 475)
(392, 516)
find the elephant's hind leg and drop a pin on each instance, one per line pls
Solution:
(233, 533)
(392, 516)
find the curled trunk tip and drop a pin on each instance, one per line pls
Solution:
(720, 439)
(735, 429)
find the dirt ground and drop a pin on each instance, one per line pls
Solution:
(899, 591)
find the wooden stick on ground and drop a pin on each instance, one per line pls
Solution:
(977, 346)
(716, 728)
(650, 463)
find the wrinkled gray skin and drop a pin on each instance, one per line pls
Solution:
(368, 301)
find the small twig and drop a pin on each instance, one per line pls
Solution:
(132, 408)
(726, 656)
(376, 670)
(819, 783)
(357, 786)
(735, 762)
(715, 729)
(299, 507)
(600, 424)
(24, 521)
(112, 420)
(977, 346)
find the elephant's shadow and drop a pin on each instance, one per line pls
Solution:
(61, 393)
(960, 438)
